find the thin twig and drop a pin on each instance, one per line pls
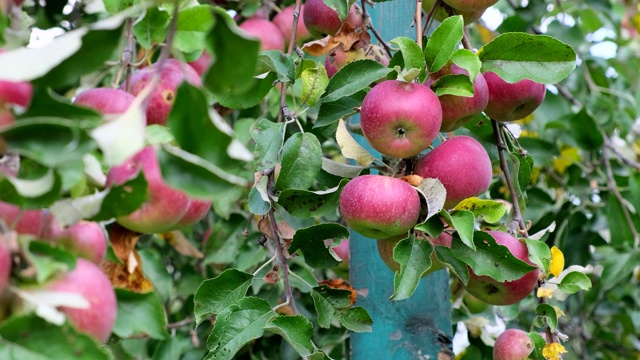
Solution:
(518, 221)
(181, 323)
(369, 23)
(429, 16)
(419, 23)
(465, 39)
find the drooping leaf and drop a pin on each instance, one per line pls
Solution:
(341, 7)
(547, 316)
(297, 330)
(301, 162)
(463, 222)
(314, 82)
(311, 241)
(414, 257)
(411, 52)
(515, 56)
(215, 295)
(467, 60)
(457, 85)
(236, 325)
(304, 203)
(350, 147)
(269, 137)
(539, 254)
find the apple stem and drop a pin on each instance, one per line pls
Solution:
(518, 221)
(369, 24)
(429, 16)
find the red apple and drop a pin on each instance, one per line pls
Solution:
(509, 102)
(171, 73)
(270, 36)
(379, 206)
(512, 344)
(86, 239)
(440, 14)
(338, 57)
(105, 100)
(400, 119)
(202, 64)
(321, 20)
(5, 262)
(22, 221)
(458, 110)
(284, 21)
(508, 292)
(386, 246)
(165, 207)
(342, 250)
(196, 211)
(15, 92)
(88, 280)
(461, 164)
(470, 5)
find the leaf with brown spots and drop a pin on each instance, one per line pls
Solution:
(126, 274)
(341, 285)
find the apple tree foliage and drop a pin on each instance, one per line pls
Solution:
(257, 277)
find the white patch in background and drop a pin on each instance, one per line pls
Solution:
(604, 50)
(461, 338)
(515, 129)
(492, 18)
(41, 38)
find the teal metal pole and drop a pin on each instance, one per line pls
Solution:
(412, 329)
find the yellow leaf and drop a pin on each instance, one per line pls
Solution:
(568, 156)
(559, 312)
(485, 33)
(543, 291)
(350, 147)
(557, 261)
(535, 174)
(552, 351)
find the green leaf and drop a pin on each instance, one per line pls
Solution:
(297, 330)
(116, 6)
(48, 259)
(538, 344)
(585, 130)
(330, 112)
(341, 7)
(250, 97)
(52, 142)
(305, 204)
(139, 314)
(459, 267)
(467, 60)
(192, 27)
(32, 338)
(231, 76)
(301, 162)
(411, 52)
(314, 82)
(516, 56)
(152, 29)
(123, 199)
(490, 211)
(490, 259)
(463, 222)
(341, 169)
(46, 102)
(269, 137)
(197, 133)
(259, 201)
(522, 166)
(457, 85)
(278, 62)
(414, 257)
(443, 42)
(574, 282)
(327, 302)
(539, 254)
(193, 175)
(546, 314)
(353, 77)
(620, 232)
(237, 325)
(433, 226)
(311, 241)
(215, 295)
(355, 319)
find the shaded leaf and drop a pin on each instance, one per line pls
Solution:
(215, 295)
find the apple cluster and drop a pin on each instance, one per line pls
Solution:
(165, 209)
(401, 120)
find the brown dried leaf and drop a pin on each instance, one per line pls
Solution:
(346, 36)
(286, 231)
(122, 278)
(341, 285)
(182, 244)
(272, 277)
(265, 228)
(123, 241)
